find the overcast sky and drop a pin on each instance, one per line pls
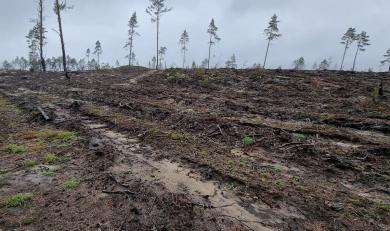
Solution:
(310, 28)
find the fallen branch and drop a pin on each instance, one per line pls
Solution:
(300, 145)
(151, 207)
(119, 192)
(43, 113)
(221, 130)
(117, 181)
(288, 144)
(125, 105)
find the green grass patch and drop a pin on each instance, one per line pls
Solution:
(48, 173)
(103, 196)
(28, 221)
(18, 199)
(56, 169)
(295, 177)
(300, 187)
(297, 136)
(14, 149)
(280, 183)
(230, 162)
(49, 158)
(3, 176)
(66, 159)
(32, 163)
(279, 169)
(385, 207)
(62, 137)
(71, 184)
(230, 187)
(266, 175)
(241, 164)
(248, 141)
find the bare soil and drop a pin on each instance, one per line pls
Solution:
(164, 150)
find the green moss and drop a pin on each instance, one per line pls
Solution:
(14, 148)
(300, 187)
(48, 173)
(56, 169)
(64, 138)
(230, 162)
(297, 136)
(32, 163)
(279, 169)
(266, 175)
(49, 158)
(66, 159)
(294, 177)
(28, 221)
(18, 199)
(71, 184)
(385, 207)
(248, 141)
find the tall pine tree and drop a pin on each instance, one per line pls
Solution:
(362, 41)
(98, 50)
(272, 33)
(213, 38)
(156, 10)
(387, 60)
(57, 10)
(348, 38)
(184, 39)
(133, 23)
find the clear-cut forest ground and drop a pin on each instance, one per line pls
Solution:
(139, 149)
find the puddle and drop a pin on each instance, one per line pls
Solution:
(180, 180)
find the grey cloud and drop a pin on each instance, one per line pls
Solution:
(311, 29)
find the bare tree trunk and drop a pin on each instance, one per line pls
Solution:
(184, 58)
(354, 61)
(41, 35)
(345, 51)
(389, 69)
(208, 61)
(131, 46)
(62, 40)
(266, 53)
(158, 25)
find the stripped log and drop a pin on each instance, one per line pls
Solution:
(43, 113)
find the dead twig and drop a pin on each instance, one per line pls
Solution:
(151, 207)
(287, 144)
(300, 145)
(221, 130)
(123, 222)
(119, 192)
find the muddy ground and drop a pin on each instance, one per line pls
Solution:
(186, 150)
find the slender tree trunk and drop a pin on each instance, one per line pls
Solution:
(354, 61)
(184, 58)
(131, 57)
(266, 53)
(208, 61)
(389, 69)
(62, 40)
(41, 35)
(345, 51)
(158, 25)
(98, 58)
